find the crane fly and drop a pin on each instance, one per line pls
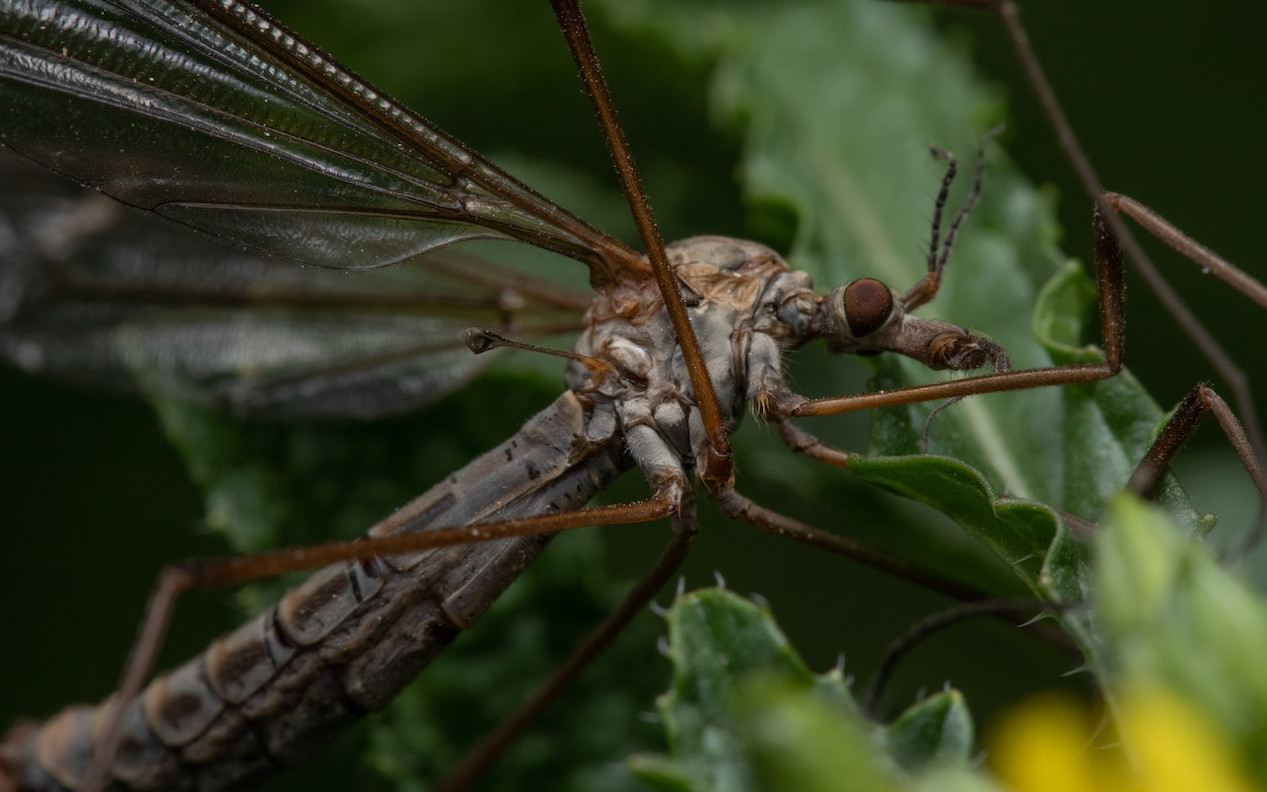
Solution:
(1011, 483)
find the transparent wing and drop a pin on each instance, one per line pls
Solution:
(102, 294)
(216, 116)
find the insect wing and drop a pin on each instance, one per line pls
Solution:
(167, 107)
(102, 294)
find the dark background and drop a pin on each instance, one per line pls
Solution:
(1168, 97)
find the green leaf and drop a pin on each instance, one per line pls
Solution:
(744, 714)
(715, 639)
(935, 731)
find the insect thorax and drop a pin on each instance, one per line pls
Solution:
(735, 292)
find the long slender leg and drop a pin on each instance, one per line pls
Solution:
(1207, 259)
(1231, 372)
(228, 571)
(1183, 422)
(803, 442)
(1108, 258)
(718, 464)
(1170, 440)
(484, 755)
(1109, 280)
(1202, 400)
(740, 507)
(937, 622)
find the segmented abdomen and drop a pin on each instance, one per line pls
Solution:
(274, 691)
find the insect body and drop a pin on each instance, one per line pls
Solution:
(348, 639)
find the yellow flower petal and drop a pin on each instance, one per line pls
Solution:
(1041, 746)
(1048, 744)
(1175, 748)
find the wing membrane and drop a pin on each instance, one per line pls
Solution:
(220, 118)
(101, 294)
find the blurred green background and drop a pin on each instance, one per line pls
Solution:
(1169, 99)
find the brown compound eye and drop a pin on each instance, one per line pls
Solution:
(868, 305)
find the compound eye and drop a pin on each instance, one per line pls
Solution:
(868, 305)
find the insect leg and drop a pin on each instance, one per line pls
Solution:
(210, 573)
(485, 755)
